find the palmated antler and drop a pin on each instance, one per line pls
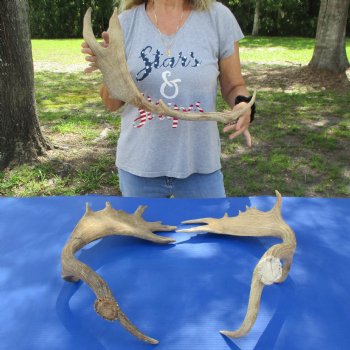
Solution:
(269, 269)
(96, 225)
(112, 63)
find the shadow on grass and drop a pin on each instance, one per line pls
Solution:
(301, 136)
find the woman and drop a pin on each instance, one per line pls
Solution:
(177, 51)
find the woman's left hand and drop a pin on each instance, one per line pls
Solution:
(242, 125)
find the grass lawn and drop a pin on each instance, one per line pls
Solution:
(253, 49)
(301, 133)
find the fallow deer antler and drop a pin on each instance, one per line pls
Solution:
(112, 63)
(96, 225)
(269, 269)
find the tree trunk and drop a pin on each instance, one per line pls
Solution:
(21, 139)
(256, 25)
(329, 52)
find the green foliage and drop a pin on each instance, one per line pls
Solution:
(279, 17)
(286, 17)
(64, 18)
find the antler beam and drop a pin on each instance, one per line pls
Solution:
(269, 269)
(112, 63)
(96, 225)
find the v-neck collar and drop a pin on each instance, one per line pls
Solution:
(144, 12)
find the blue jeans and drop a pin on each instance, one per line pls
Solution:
(194, 186)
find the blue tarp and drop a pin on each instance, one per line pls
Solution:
(181, 294)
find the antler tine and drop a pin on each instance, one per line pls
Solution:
(88, 33)
(140, 210)
(115, 32)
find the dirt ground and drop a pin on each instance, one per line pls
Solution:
(294, 77)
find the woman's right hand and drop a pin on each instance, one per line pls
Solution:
(91, 56)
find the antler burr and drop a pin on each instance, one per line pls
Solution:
(96, 225)
(269, 269)
(112, 63)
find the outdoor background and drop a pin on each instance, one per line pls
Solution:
(301, 132)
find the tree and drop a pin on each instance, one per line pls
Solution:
(21, 139)
(256, 24)
(329, 52)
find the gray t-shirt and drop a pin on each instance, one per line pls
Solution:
(158, 145)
